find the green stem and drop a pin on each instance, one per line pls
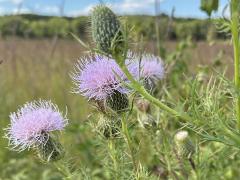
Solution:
(235, 36)
(112, 152)
(129, 141)
(140, 89)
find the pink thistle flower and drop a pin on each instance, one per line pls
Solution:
(30, 124)
(146, 67)
(98, 78)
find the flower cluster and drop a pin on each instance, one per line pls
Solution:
(99, 77)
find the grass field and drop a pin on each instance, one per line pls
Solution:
(33, 69)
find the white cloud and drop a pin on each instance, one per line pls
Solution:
(50, 9)
(84, 11)
(44, 9)
(16, 1)
(125, 7)
(21, 11)
(13, 1)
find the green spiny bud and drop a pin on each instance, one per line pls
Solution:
(51, 150)
(106, 29)
(118, 102)
(147, 121)
(185, 147)
(109, 126)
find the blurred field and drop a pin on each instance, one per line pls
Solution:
(33, 69)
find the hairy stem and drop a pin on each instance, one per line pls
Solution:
(112, 152)
(235, 36)
(129, 141)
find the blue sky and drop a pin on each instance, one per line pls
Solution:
(183, 8)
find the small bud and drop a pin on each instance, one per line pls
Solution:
(143, 105)
(147, 121)
(109, 127)
(106, 29)
(202, 77)
(51, 150)
(185, 147)
(118, 102)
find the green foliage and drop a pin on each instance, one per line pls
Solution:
(79, 26)
(14, 26)
(39, 29)
(58, 26)
(34, 26)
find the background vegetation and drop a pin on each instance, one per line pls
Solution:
(34, 26)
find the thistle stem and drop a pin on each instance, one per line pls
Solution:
(236, 46)
(140, 89)
(129, 141)
(112, 152)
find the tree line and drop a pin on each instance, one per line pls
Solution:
(34, 26)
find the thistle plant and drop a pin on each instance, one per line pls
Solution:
(117, 82)
(139, 88)
(32, 127)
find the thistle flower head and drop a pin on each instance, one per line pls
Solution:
(147, 67)
(98, 78)
(31, 124)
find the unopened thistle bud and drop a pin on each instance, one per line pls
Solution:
(147, 121)
(109, 126)
(185, 147)
(143, 105)
(106, 31)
